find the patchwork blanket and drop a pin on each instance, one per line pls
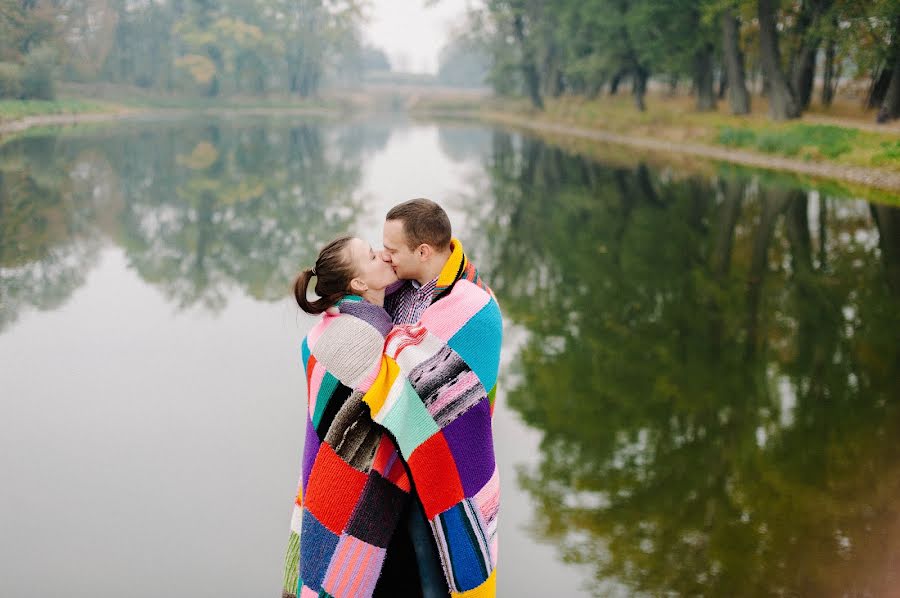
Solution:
(430, 394)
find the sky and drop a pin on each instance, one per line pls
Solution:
(410, 33)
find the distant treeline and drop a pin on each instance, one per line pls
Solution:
(199, 47)
(588, 47)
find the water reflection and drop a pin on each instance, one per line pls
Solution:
(197, 209)
(711, 362)
(713, 365)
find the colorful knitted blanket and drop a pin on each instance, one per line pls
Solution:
(434, 394)
(432, 391)
(353, 486)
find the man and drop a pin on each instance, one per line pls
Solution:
(418, 243)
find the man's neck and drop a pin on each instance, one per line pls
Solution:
(434, 267)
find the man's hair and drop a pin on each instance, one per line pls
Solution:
(423, 222)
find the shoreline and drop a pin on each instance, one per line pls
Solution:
(18, 125)
(876, 178)
(865, 176)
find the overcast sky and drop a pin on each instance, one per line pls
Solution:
(411, 33)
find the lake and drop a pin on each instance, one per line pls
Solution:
(699, 388)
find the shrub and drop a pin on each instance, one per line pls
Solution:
(10, 80)
(38, 74)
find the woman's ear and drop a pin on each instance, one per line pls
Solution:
(358, 286)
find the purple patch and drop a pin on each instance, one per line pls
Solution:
(310, 450)
(374, 315)
(471, 443)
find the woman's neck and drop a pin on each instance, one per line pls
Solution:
(374, 297)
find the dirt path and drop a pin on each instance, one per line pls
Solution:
(872, 177)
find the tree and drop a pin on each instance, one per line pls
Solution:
(738, 98)
(782, 103)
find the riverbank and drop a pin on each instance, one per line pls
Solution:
(834, 146)
(822, 146)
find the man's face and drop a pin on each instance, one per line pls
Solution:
(406, 262)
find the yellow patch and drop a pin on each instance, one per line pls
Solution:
(486, 590)
(378, 392)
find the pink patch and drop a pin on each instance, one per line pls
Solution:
(315, 382)
(464, 383)
(313, 337)
(306, 592)
(444, 318)
(369, 378)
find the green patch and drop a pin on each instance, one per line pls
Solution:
(813, 140)
(889, 153)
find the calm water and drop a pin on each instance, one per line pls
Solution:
(699, 392)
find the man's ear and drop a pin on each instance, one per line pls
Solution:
(424, 252)
(358, 286)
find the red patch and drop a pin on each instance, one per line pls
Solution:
(309, 370)
(333, 490)
(434, 472)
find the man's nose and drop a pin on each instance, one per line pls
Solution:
(386, 256)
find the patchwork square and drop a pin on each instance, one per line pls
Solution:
(409, 421)
(333, 509)
(354, 569)
(317, 544)
(487, 501)
(352, 435)
(332, 405)
(446, 385)
(434, 473)
(375, 517)
(326, 387)
(310, 450)
(479, 344)
(466, 556)
(471, 444)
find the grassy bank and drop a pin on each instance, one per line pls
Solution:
(109, 99)
(818, 137)
(18, 109)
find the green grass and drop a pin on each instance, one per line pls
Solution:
(806, 141)
(15, 109)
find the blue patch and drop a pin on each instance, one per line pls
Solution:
(317, 545)
(478, 343)
(465, 558)
(304, 352)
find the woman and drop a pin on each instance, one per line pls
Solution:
(353, 485)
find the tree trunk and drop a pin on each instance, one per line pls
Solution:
(782, 103)
(614, 83)
(639, 87)
(828, 76)
(890, 107)
(529, 70)
(703, 78)
(723, 82)
(804, 72)
(804, 62)
(738, 98)
(878, 89)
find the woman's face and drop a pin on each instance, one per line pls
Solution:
(370, 267)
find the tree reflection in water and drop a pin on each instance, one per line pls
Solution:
(197, 209)
(713, 366)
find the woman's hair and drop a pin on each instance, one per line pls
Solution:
(333, 272)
